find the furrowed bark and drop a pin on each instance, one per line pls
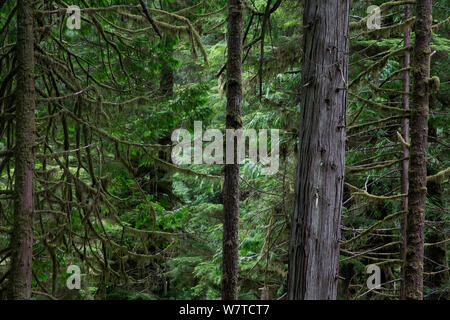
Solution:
(418, 153)
(22, 232)
(231, 181)
(314, 244)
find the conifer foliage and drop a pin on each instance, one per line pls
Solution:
(96, 96)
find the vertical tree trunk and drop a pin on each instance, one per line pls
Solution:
(166, 84)
(405, 150)
(314, 244)
(231, 183)
(22, 232)
(418, 153)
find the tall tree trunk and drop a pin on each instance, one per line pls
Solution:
(314, 244)
(166, 84)
(405, 150)
(22, 232)
(231, 183)
(418, 153)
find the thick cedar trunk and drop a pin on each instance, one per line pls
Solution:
(418, 153)
(314, 244)
(22, 232)
(405, 150)
(231, 183)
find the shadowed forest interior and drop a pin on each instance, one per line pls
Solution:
(348, 102)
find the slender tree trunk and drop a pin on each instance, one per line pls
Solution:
(405, 150)
(231, 183)
(314, 244)
(166, 84)
(418, 152)
(22, 232)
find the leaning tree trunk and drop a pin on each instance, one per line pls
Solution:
(405, 150)
(22, 232)
(418, 152)
(314, 244)
(231, 183)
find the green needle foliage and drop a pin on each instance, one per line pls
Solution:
(108, 197)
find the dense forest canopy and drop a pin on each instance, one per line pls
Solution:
(346, 102)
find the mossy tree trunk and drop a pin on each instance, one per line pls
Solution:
(22, 233)
(418, 153)
(405, 151)
(314, 244)
(231, 182)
